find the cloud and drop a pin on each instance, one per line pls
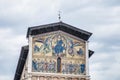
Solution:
(26, 11)
(89, 13)
(105, 64)
(5, 77)
(101, 17)
(10, 45)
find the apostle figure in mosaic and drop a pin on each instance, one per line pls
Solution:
(45, 66)
(82, 68)
(34, 65)
(50, 66)
(67, 68)
(42, 65)
(75, 68)
(71, 68)
(79, 71)
(63, 68)
(39, 65)
(53, 66)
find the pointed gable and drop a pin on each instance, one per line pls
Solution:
(59, 26)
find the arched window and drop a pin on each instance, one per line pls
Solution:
(58, 64)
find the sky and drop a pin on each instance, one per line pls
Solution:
(101, 17)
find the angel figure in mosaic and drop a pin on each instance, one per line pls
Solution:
(46, 44)
(80, 51)
(71, 47)
(36, 49)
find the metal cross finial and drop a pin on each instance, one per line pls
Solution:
(59, 15)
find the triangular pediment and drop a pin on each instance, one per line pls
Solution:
(36, 30)
(53, 43)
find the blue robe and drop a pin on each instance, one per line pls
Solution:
(59, 48)
(82, 68)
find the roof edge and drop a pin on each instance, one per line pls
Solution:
(57, 26)
(21, 62)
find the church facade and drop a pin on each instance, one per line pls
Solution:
(56, 51)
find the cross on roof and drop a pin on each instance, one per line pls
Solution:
(59, 15)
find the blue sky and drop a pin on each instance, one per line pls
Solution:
(101, 17)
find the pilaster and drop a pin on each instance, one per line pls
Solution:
(87, 59)
(30, 55)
